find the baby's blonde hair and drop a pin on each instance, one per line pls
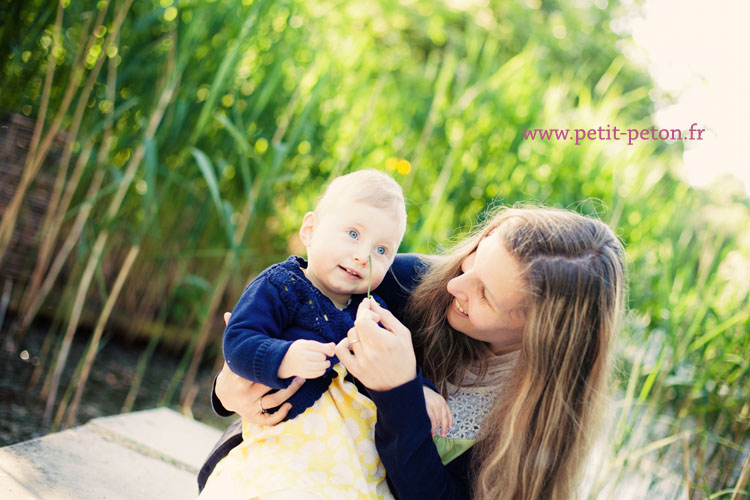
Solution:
(368, 186)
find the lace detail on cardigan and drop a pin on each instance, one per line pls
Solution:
(309, 307)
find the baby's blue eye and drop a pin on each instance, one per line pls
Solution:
(353, 233)
(380, 250)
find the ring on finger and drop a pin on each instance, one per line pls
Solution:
(262, 410)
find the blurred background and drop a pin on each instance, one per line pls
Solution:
(156, 154)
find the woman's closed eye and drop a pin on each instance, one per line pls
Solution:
(484, 298)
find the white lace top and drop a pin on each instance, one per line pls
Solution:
(471, 403)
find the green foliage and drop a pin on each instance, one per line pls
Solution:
(273, 99)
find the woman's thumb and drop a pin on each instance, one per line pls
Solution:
(346, 357)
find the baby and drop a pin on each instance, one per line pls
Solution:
(287, 323)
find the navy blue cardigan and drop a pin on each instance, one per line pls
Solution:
(278, 307)
(402, 432)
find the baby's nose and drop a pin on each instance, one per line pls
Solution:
(360, 257)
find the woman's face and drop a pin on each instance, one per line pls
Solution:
(488, 296)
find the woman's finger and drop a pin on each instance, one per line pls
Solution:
(347, 358)
(368, 330)
(381, 360)
(255, 390)
(352, 334)
(388, 320)
(227, 315)
(352, 338)
(371, 311)
(275, 399)
(277, 416)
(364, 313)
(364, 306)
(244, 397)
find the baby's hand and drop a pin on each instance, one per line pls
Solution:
(439, 412)
(306, 359)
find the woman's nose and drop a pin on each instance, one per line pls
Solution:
(457, 287)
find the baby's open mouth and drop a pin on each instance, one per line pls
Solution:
(351, 273)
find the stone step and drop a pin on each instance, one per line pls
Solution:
(153, 454)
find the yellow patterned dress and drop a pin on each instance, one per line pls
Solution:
(328, 451)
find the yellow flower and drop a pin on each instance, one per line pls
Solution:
(403, 167)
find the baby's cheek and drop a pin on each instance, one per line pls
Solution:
(378, 274)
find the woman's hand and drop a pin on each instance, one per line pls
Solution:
(248, 399)
(381, 358)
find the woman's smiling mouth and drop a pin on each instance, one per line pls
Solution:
(459, 308)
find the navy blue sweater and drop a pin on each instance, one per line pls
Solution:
(402, 437)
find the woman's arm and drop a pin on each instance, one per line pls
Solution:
(234, 394)
(383, 360)
(404, 443)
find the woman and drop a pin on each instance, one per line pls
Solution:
(525, 309)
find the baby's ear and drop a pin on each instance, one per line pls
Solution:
(306, 229)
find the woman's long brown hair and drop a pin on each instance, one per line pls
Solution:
(536, 437)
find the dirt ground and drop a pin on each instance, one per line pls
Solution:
(22, 409)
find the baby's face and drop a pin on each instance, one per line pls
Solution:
(339, 241)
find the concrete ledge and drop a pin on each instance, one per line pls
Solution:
(153, 454)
